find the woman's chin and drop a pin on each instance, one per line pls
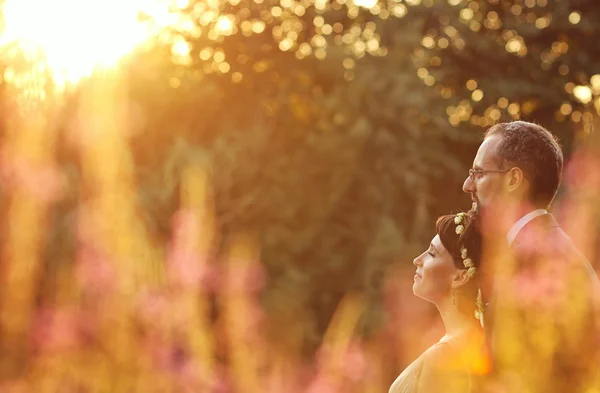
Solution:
(418, 292)
(415, 289)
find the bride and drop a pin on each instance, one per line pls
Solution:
(447, 276)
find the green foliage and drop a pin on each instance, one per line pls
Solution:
(338, 176)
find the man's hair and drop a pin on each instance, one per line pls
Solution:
(536, 151)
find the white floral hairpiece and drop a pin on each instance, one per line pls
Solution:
(460, 221)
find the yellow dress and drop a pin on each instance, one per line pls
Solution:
(408, 381)
(453, 366)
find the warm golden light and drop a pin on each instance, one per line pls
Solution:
(225, 24)
(365, 3)
(583, 94)
(574, 17)
(75, 37)
(513, 45)
(595, 82)
(477, 95)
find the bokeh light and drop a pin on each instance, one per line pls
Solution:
(583, 93)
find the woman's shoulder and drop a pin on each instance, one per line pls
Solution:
(444, 370)
(441, 354)
(458, 356)
(408, 380)
(445, 366)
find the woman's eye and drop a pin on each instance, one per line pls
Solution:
(430, 253)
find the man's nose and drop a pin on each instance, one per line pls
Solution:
(468, 185)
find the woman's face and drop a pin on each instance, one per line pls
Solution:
(435, 273)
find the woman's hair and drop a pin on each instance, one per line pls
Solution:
(470, 238)
(458, 233)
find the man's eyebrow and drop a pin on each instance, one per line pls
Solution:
(477, 167)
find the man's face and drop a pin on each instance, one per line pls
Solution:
(487, 189)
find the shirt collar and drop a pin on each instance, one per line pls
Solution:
(517, 226)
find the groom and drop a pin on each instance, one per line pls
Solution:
(542, 294)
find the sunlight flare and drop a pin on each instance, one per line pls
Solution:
(76, 37)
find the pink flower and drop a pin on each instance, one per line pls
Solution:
(186, 227)
(43, 181)
(153, 308)
(187, 265)
(321, 384)
(187, 268)
(245, 278)
(539, 287)
(57, 329)
(94, 271)
(582, 171)
(355, 362)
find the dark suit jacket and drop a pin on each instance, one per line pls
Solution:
(543, 320)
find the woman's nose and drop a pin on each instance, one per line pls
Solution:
(417, 261)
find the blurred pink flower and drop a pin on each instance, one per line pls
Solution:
(583, 171)
(255, 321)
(94, 272)
(57, 329)
(153, 308)
(191, 376)
(539, 288)
(220, 382)
(44, 182)
(163, 313)
(321, 384)
(187, 373)
(284, 380)
(355, 362)
(187, 268)
(244, 278)
(351, 361)
(186, 227)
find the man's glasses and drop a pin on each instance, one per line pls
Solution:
(478, 173)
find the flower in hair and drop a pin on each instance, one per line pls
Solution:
(459, 218)
(460, 221)
(468, 262)
(471, 272)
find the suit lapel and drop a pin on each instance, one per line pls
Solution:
(539, 224)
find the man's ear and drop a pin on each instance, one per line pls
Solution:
(460, 278)
(515, 178)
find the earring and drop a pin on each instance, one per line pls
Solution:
(453, 297)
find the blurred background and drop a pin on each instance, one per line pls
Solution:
(227, 196)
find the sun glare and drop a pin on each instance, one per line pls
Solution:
(77, 37)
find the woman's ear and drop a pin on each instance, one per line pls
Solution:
(460, 278)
